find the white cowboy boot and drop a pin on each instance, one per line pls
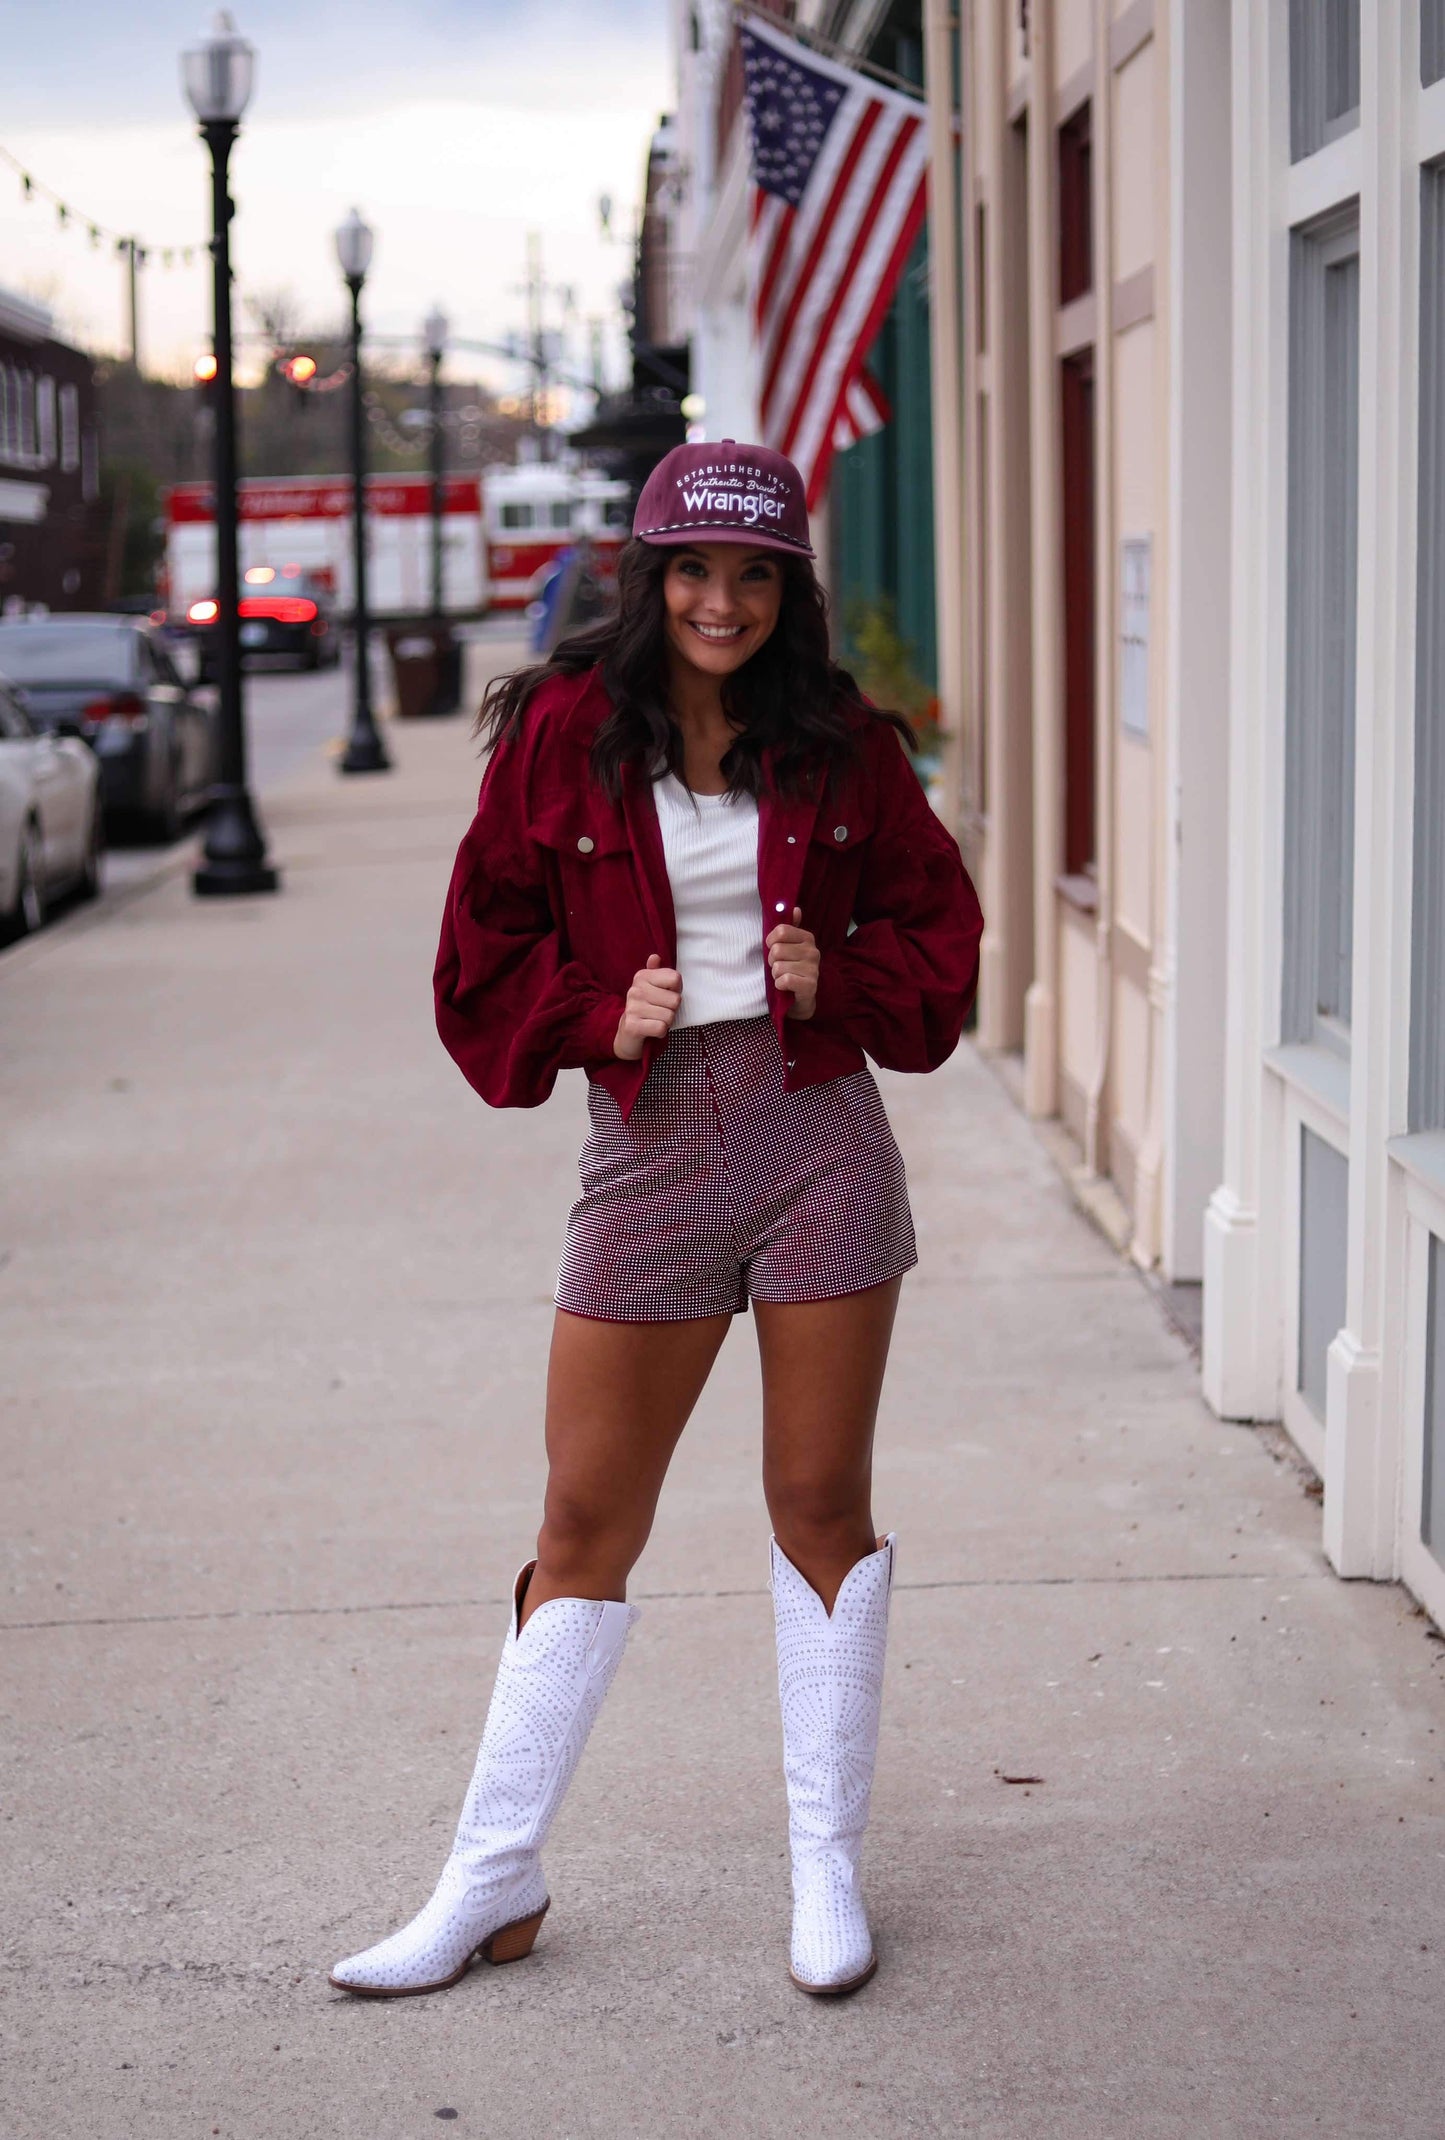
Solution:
(830, 1683)
(491, 1897)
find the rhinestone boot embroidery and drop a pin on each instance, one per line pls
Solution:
(550, 1686)
(830, 1684)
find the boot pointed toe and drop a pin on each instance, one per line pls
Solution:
(491, 1898)
(832, 1946)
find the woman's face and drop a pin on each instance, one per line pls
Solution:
(721, 602)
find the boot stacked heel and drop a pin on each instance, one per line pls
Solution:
(514, 1942)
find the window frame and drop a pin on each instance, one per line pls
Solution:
(1319, 731)
(1427, 929)
(69, 427)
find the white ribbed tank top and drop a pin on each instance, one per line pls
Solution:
(711, 846)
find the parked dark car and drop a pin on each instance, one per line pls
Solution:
(112, 681)
(287, 612)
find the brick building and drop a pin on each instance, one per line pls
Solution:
(49, 465)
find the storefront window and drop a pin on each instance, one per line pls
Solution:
(1324, 72)
(1320, 686)
(1432, 1514)
(1427, 980)
(1432, 40)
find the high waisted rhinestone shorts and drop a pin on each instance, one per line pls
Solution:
(722, 1186)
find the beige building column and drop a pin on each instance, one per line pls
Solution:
(1041, 1083)
(951, 574)
(999, 449)
(1097, 1108)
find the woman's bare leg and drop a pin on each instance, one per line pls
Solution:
(823, 1365)
(618, 1398)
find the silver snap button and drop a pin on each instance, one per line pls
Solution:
(585, 846)
(792, 840)
(840, 832)
(780, 908)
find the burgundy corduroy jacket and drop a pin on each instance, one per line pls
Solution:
(559, 896)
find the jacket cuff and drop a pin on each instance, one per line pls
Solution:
(595, 1034)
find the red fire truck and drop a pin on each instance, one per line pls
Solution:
(301, 526)
(537, 510)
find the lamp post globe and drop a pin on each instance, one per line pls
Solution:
(218, 72)
(365, 752)
(354, 242)
(217, 75)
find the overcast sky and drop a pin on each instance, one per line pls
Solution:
(454, 125)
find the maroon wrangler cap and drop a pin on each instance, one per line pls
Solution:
(725, 493)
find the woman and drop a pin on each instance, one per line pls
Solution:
(702, 870)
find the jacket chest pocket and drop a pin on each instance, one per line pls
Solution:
(838, 851)
(592, 864)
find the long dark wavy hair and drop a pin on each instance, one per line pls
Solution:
(791, 698)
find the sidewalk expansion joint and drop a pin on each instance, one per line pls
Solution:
(663, 1597)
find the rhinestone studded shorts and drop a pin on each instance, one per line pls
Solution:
(723, 1187)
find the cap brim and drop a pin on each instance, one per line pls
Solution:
(749, 538)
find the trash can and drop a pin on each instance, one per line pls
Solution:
(426, 665)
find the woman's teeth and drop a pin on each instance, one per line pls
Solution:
(719, 631)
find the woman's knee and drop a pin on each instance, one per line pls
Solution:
(827, 1512)
(585, 1530)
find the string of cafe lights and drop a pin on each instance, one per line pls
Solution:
(466, 423)
(71, 218)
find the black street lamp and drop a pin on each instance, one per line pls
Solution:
(446, 652)
(436, 328)
(217, 78)
(365, 752)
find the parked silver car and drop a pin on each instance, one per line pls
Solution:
(50, 818)
(112, 681)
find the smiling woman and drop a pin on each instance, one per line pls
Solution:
(702, 870)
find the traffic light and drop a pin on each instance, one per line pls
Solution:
(204, 370)
(300, 371)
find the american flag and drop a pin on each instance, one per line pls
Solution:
(839, 170)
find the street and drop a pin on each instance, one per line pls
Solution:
(1157, 1846)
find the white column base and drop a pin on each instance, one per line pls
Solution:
(993, 1033)
(1359, 1510)
(1147, 1244)
(1239, 1382)
(1041, 1059)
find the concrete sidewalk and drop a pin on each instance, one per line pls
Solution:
(274, 1303)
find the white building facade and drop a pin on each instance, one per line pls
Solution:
(711, 218)
(1324, 1300)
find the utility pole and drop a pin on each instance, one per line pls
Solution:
(535, 289)
(132, 251)
(544, 347)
